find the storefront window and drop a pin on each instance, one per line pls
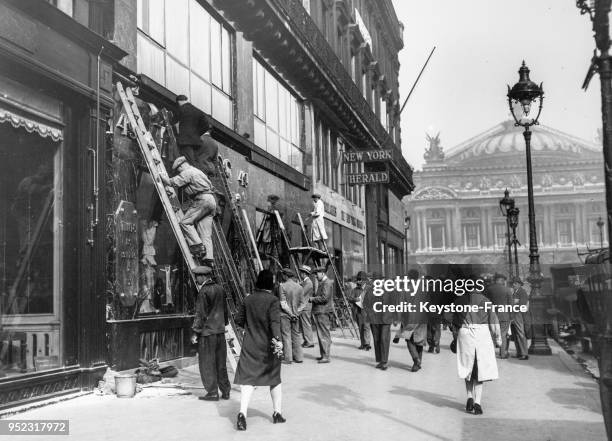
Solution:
(30, 250)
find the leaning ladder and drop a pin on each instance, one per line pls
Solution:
(168, 197)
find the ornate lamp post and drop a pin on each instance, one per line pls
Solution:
(520, 99)
(600, 225)
(513, 218)
(407, 223)
(505, 205)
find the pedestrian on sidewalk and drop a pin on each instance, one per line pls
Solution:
(519, 297)
(434, 319)
(356, 298)
(380, 320)
(259, 364)
(501, 295)
(202, 208)
(323, 307)
(291, 303)
(414, 324)
(475, 335)
(306, 313)
(209, 333)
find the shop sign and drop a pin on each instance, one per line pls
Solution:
(368, 178)
(368, 156)
(126, 253)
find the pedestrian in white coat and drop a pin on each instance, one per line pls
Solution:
(318, 219)
(475, 334)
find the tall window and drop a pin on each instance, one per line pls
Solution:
(353, 67)
(323, 154)
(278, 117)
(471, 235)
(501, 235)
(364, 84)
(383, 113)
(435, 237)
(184, 48)
(565, 232)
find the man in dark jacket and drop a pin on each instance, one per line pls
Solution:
(192, 123)
(499, 294)
(380, 320)
(359, 314)
(323, 306)
(209, 332)
(519, 297)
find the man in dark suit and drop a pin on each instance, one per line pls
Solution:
(380, 320)
(209, 332)
(500, 295)
(323, 306)
(519, 297)
(192, 123)
(356, 298)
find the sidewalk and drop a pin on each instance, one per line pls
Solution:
(545, 398)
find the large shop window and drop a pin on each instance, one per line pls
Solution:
(328, 158)
(187, 50)
(30, 249)
(278, 118)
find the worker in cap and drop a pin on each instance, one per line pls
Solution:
(190, 123)
(292, 303)
(323, 307)
(319, 235)
(360, 316)
(208, 332)
(306, 314)
(202, 207)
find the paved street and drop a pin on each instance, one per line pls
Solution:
(546, 398)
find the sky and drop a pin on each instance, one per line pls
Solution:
(480, 45)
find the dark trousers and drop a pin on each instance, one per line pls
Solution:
(306, 326)
(323, 325)
(416, 351)
(292, 339)
(504, 325)
(190, 152)
(518, 332)
(433, 331)
(364, 328)
(212, 355)
(381, 334)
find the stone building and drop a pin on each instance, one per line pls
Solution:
(288, 85)
(455, 213)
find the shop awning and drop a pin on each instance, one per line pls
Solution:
(30, 125)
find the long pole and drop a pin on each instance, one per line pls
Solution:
(417, 80)
(509, 242)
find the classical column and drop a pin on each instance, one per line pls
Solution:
(419, 242)
(483, 227)
(457, 242)
(448, 214)
(424, 228)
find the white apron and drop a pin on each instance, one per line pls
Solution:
(318, 222)
(474, 342)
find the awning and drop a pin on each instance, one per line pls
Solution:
(30, 125)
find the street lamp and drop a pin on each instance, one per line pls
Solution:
(521, 97)
(505, 205)
(407, 222)
(600, 225)
(513, 218)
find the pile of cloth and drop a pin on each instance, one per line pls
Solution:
(150, 372)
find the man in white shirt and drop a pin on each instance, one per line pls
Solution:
(319, 234)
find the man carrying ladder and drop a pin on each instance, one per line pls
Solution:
(202, 208)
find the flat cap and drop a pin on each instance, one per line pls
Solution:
(316, 195)
(178, 162)
(305, 269)
(181, 98)
(288, 272)
(202, 270)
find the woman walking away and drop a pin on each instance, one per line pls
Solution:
(259, 363)
(474, 333)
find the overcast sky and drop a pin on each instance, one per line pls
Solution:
(480, 46)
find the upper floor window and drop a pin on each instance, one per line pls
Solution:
(364, 84)
(277, 116)
(501, 235)
(565, 232)
(471, 235)
(184, 48)
(353, 67)
(435, 237)
(66, 6)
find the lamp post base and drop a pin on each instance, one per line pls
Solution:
(539, 342)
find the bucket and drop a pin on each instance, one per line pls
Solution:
(125, 385)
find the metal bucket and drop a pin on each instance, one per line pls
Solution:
(125, 385)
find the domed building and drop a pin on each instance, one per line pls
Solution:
(455, 213)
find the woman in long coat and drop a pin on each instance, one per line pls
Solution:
(258, 365)
(475, 335)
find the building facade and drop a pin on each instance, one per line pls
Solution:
(455, 213)
(91, 277)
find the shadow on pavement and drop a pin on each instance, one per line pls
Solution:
(341, 397)
(429, 397)
(568, 397)
(478, 428)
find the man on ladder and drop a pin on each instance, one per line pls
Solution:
(319, 234)
(202, 208)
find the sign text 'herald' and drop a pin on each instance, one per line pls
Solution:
(367, 178)
(368, 156)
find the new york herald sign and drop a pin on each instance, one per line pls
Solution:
(367, 156)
